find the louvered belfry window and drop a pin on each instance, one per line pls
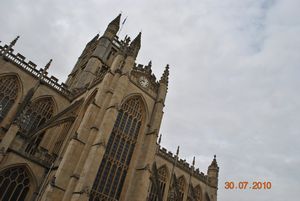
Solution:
(8, 94)
(36, 114)
(114, 166)
(14, 184)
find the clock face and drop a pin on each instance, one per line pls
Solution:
(144, 81)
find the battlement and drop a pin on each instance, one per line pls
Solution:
(180, 163)
(30, 67)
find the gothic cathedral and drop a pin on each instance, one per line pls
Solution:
(94, 137)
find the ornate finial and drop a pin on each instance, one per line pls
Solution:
(148, 67)
(177, 152)
(12, 43)
(95, 38)
(47, 65)
(43, 73)
(215, 156)
(159, 139)
(165, 77)
(193, 162)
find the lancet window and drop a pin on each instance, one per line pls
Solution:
(8, 94)
(195, 193)
(36, 114)
(14, 184)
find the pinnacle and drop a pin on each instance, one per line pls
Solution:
(165, 77)
(47, 65)
(116, 21)
(14, 41)
(137, 40)
(214, 162)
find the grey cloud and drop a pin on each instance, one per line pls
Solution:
(234, 85)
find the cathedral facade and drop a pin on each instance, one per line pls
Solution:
(94, 137)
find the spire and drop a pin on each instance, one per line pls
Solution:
(12, 43)
(45, 69)
(193, 162)
(177, 152)
(135, 46)
(116, 21)
(113, 27)
(214, 163)
(137, 41)
(165, 77)
(47, 65)
(159, 139)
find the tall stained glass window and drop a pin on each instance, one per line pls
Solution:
(114, 166)
(36, 114)
(14, 184)
(8, 94)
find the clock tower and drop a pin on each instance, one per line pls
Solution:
(93, 138)
(114, 141)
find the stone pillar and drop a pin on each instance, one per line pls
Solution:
(140, 182)
(8, 139)
(102, 100)
(72, 155)
(118, 87)
(89, 72)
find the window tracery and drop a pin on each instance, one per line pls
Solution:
(114, 166)
(14, 184)
(181, 186)
(195, 193)
(8, 94)
(36, 114)
(198, 193)
(162, 178)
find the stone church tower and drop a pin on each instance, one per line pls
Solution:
(95, 137)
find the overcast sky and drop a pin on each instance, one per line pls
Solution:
(234, 75)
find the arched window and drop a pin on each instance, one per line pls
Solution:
(14, 184)
(36, 114)
(162, 179)
(198, 193)
(33, 116)
(195, 193)
(114, 166)
(8, 94)
(181, 186)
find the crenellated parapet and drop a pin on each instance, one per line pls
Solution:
(30, 67)
(182, 164)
